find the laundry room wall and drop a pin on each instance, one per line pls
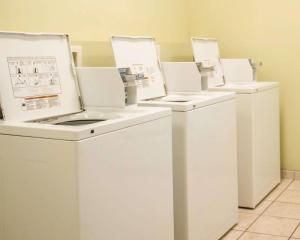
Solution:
(90, 23)
(266, 31)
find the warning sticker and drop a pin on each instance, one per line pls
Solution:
(37, 103)
(34, 76)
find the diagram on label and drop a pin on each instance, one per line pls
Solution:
(146, 75)
(34, 76)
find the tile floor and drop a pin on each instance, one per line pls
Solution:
(275, 218)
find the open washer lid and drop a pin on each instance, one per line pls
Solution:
(96, 84)
(37, 76)
(207, 50)
(140, 55)
(181, 76)
(237, 70)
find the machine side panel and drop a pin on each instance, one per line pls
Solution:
(212, 195)
(126, 188)
(179, 173)
(245, 149)
(38, 191)
(266, 143)
(2, 217)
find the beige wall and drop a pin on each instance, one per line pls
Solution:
(264, 30)
(90, 23)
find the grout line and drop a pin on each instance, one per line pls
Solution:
(293, 190)
(292, 203)
(268, 234)
(274, 200)
(261, 214)
(298, 219)
(241, 235)
(284, 189)
(294, 231)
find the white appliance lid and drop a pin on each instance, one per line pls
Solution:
(207, 50)
(237, 70)
(182, 76)
(140, 55)
(247, 87)
(37, 76)
(96, 84)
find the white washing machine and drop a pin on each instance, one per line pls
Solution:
(73, 174)
(205, 167)
(258, 121)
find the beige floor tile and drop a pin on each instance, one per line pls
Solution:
(275, 194)
(259, 209)
(232, 235)
(274, 226)
(279, 189)
(296, 234)
(284, 183)
(256, 236)
(294, 185)
(245, 220)
(289, 197)
(287, 210)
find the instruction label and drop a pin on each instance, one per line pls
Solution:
(34, 76)
(145, 75)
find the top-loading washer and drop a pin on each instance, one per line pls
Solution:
(258, 120)
(205, 167)
(70, 173)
